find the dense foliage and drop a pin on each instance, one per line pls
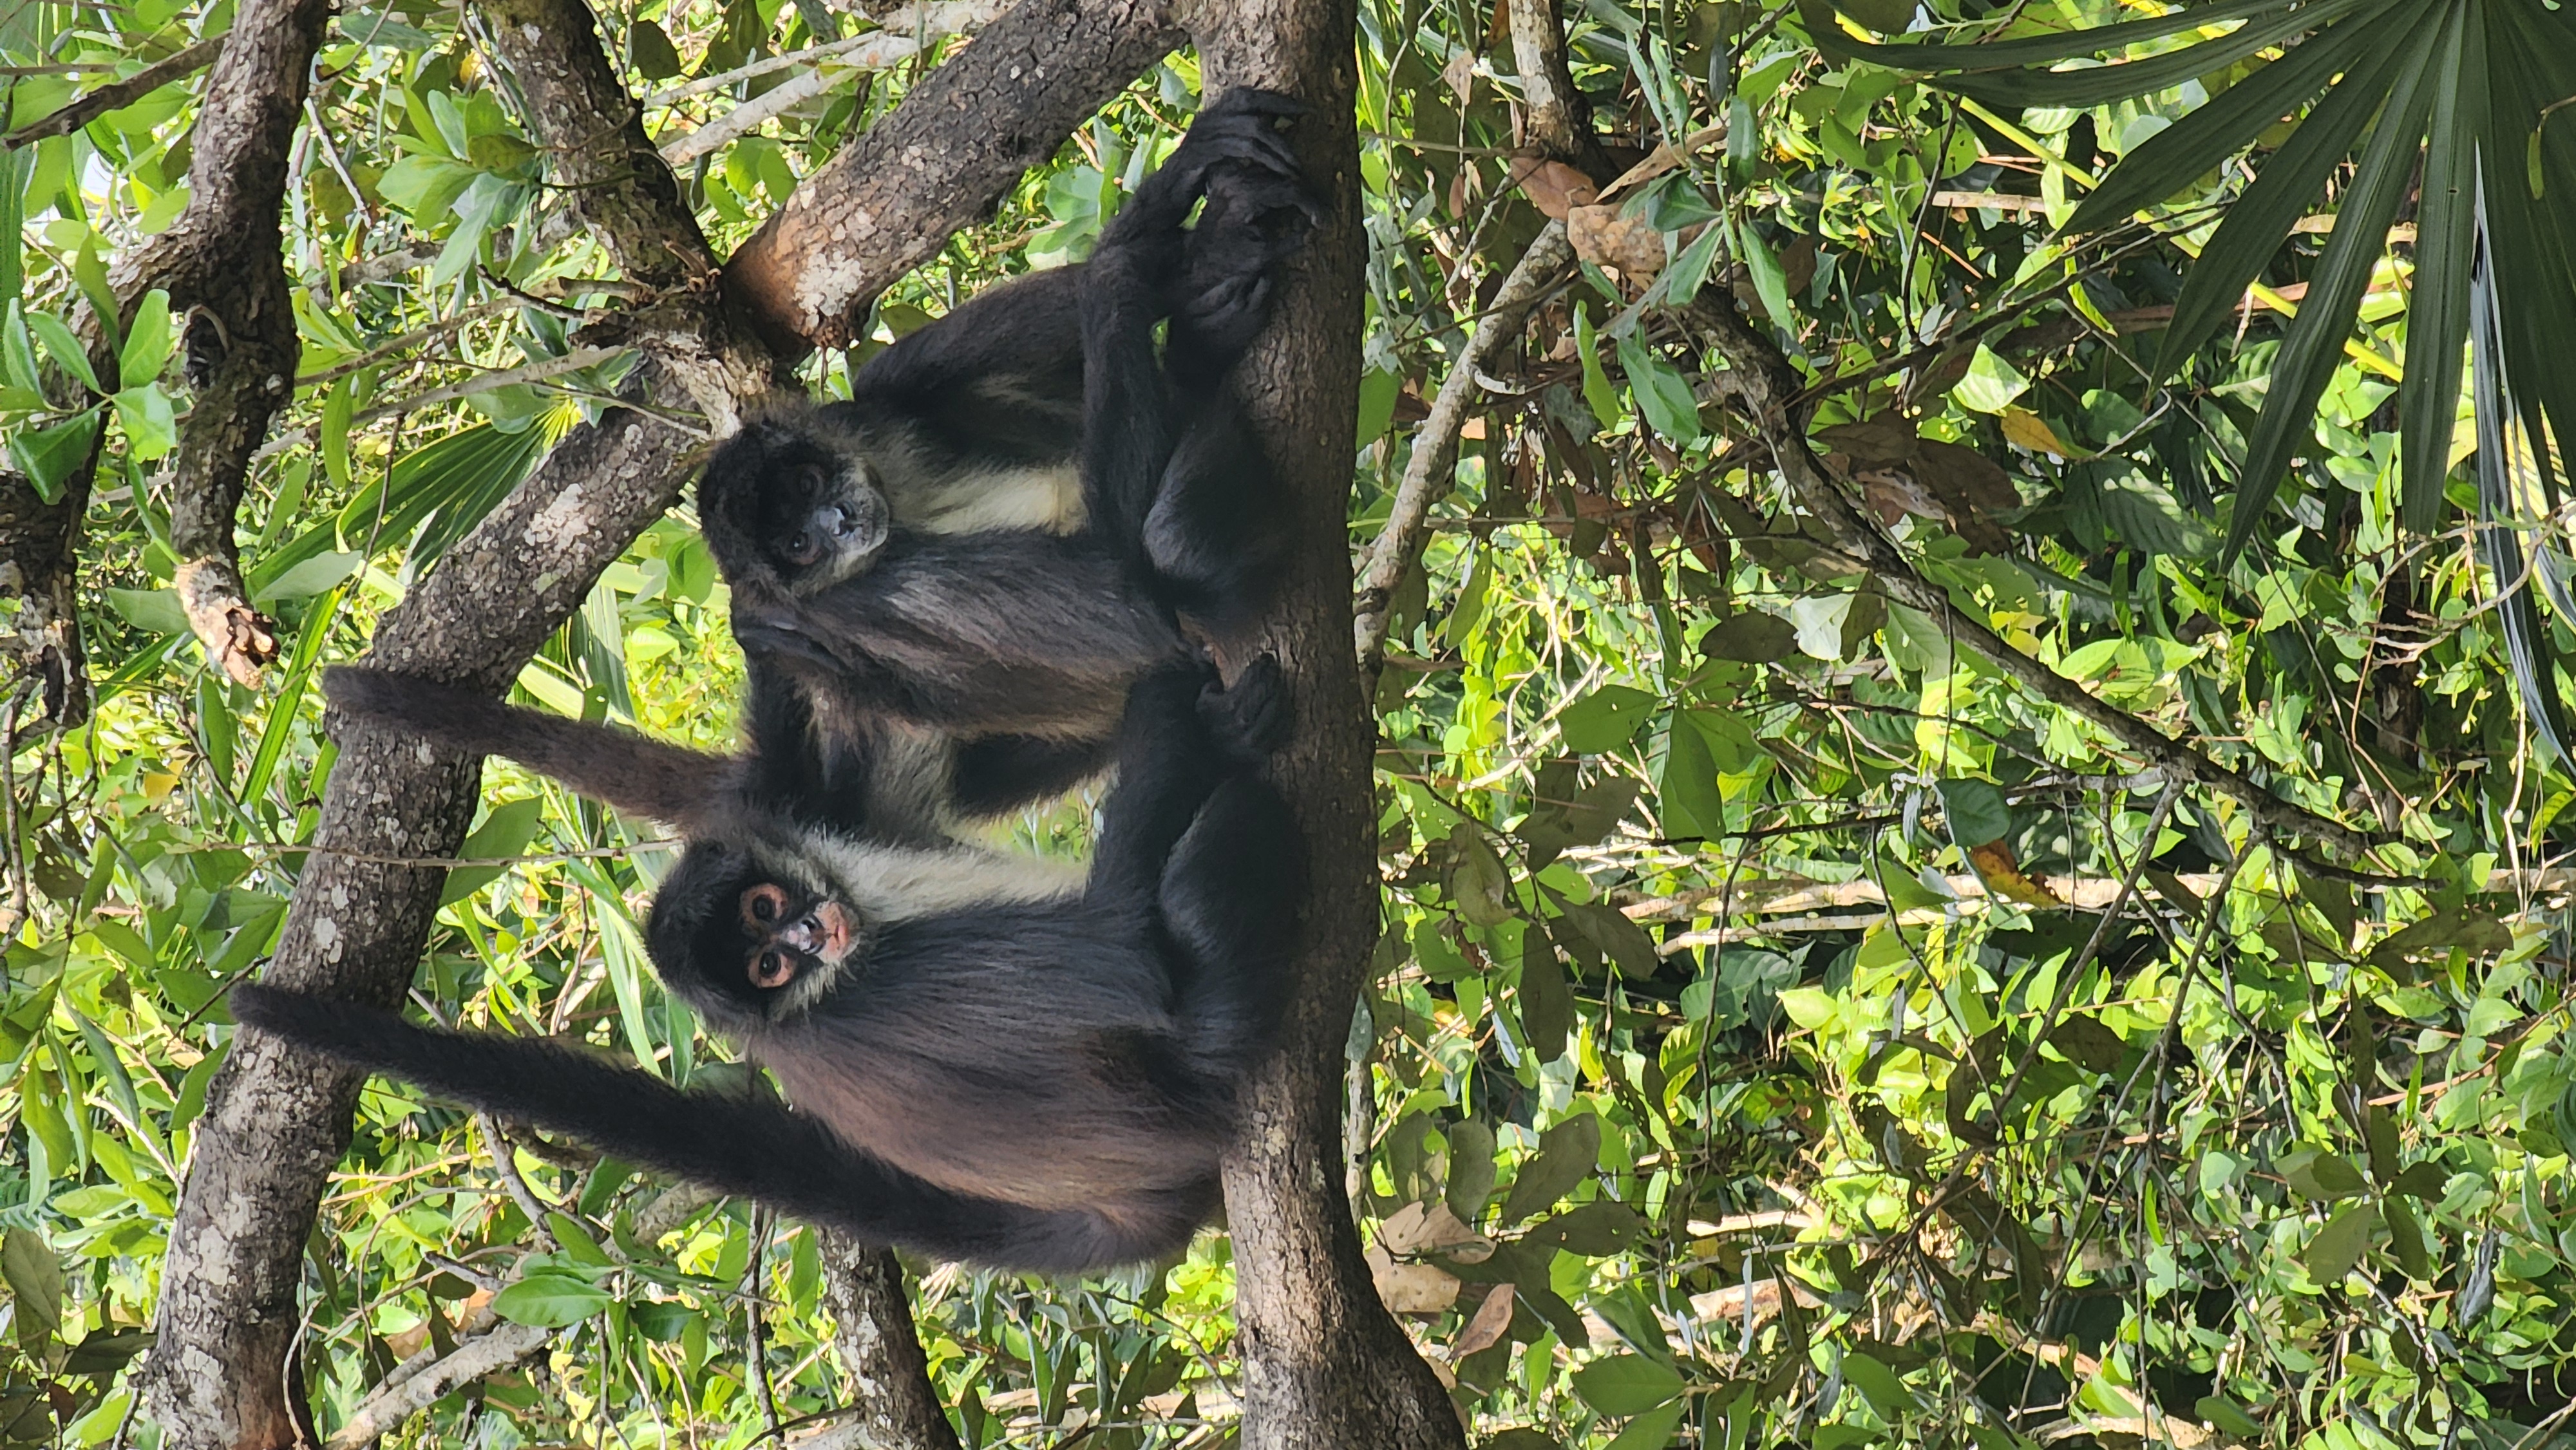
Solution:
(1786, 1028)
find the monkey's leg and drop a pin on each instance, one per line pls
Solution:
(1002, 773)
(1168, 764)
(750, 1146)
(640, 776)
(1229, 899)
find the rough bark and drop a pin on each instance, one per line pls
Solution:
(881, 1360)
(277, 1120)
(1325, 1365)
(959, 142)
(39, 618)
(91, 104)
(223, 265)
(596, 149)
(1555, 117)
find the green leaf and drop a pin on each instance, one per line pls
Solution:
(2320, 1176)
(50, 456)
(1471, 1169)
(1546, 1004)
(2426, 1180)
(147, 346)
(578, 1242)
(2038, 50)
(425, 185)
(2314, 346)
(1991, 383)
(2172, 158)
(1652, 1430)
(308, 577)
(2102, 85)
(550, 1301)
(2437, 305)
(62, 347)
(1662, 393)
(1567, 1154)
(1597, 392)
(2227, 1415)
(1378, 387)
(18, 351)
(1886, 1393)
(1770, 283)
(1627, 1384)
(1694, 805)
(2338, 1247)
(1468, 610)
(2405, 1238)
(1612, 934)
(650, 48)
(1605, 720)
(36, 1284)
(1690, 269)
(506, 831)
(2256, 222)
(151, 428)
(1479, 885)
(1976, 811)
(1752, 637)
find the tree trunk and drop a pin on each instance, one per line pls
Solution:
(1324, 1363)
(39, 617)
(881, 1360)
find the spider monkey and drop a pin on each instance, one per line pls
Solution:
(930, 552)
(991, 1061)
(988, 1064)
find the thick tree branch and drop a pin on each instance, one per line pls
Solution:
(960, 140)
(89, 105)
(596, 149)
(881, 1361)
(1769, 386)
(1432, 470)
(223, 263)
(1325, 1365)
(39, 543)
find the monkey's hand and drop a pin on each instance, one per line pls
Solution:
(1249, 719)
(1253, 221)
(1238, 131)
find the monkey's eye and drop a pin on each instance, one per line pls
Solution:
(764, 905)
(772, 969)
(802, 549)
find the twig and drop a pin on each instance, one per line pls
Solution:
(753, 1305)
(571, 362)
(117, 95)
(505, 1163)
(475, 1358)
(15, 858)
(913, 24)
(878, 50)
(541, 858)
(1432, 470)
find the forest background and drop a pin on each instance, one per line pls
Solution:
(1966, 657)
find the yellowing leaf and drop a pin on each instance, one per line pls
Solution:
(2027, 429)
(2002, 873)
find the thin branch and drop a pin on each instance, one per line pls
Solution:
(475, 1358)
(535, 372)
(117, 95)
(1433, 469)
(901, 37)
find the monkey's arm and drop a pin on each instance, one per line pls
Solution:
(667, 783)
(999, 378)
(1005, 632)
(742, 1145)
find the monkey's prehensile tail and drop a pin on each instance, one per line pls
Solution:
(744, 1145)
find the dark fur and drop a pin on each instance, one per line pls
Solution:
(1046, 1087)
(989, 1067)
(931, 615)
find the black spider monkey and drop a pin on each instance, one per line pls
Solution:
(990, 1060)
(930, 552)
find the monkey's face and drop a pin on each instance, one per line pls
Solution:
(746, 936)
(822, 519)
(792, 501)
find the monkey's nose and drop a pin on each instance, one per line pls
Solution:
(837, 520)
